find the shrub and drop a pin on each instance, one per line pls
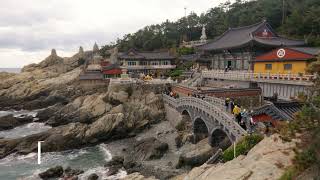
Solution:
(242, 147)
(288, 174)
(176, 73)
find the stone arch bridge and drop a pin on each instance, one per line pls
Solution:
(208, 117)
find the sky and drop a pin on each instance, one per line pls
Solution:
(29, 29)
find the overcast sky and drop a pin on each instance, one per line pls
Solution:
(29, 29)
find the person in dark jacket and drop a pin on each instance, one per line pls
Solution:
(226, 103)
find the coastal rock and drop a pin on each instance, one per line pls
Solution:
(54, 172)
(71, 173)
(93, 177)
(117, 98)
(10, 122)
(195, 154)
(92, 124)
(267, 160)
(95, 105)
(49, 112)
(138, 176)
(45, 102)
(146, 149)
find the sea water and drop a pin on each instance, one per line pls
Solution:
(26, 167)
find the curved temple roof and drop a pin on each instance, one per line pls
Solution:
(243, 36)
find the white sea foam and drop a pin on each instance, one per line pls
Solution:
(24, 130)
(106, 152)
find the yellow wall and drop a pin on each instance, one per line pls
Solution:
(278, 67)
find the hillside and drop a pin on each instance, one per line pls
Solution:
(300, 20)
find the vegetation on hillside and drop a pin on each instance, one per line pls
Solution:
(307, 125)
(301, 21)
(242, 147)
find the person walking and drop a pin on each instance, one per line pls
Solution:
(226, 103)
(231, 106)
(236, 112)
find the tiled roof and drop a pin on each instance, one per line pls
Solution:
(91, 76)
(189, 57)
(307, 50)
(111, 66)
(278, 110)
(243, 36)
(133, 54)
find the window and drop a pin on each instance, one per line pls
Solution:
(131, 63)
(154, 63)
(287, 67)
(268, 67)
(164, 63)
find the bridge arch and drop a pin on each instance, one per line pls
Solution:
(220, 138)
(200, 129)
(186, 115)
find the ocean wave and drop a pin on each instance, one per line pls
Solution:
(106, 152)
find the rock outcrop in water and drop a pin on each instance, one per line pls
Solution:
(10, 122)
(100, 120)
(58, 172)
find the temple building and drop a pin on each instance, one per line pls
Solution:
(156, 64)
(92, 71)
(111, 71)
(291, 60)
(238, 47)
(274, 112)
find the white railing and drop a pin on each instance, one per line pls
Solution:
(250, 76)
(138, 67)
(223, 117)
(194, 43)
(215, 101)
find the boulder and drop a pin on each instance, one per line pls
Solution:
(68, 172)
(117, 109)
(10, 122)
(195, 154)
(114, 165)
(54, 172)
(116, 98)
(146, 149)
(49, 112)
(93, 177)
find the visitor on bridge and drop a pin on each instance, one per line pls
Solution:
(226, 103)
(231, 106)
(236, 111)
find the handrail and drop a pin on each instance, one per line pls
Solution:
(242, 75)
(224, 118)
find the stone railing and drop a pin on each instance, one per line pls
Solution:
(223, 117)
(194, 43)
(215, 101)
(250, 76)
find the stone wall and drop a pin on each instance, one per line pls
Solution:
(246, 97)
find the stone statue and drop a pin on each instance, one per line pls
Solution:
(95, 47)
(81, 50)
(114, 56)
(203, 35)
(53, 52)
